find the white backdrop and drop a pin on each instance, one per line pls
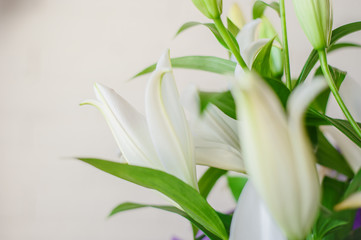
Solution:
(51, 52)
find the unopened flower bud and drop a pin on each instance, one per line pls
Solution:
(212, 9)
(316, 19)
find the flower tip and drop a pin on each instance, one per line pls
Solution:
(164, 61)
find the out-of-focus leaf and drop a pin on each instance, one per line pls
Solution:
(213, 29)
(203, 63)
(209, 179)
(329, 157)
(355, 185)
(180, 192)
(132, 206)
(236, 184)
(315, 118)
(260, 6)
(223, 100)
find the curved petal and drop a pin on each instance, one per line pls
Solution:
(251, 219)
(248, 34)
(352, 202)
(302, 149)
(219, 155)
(129, 128)
(249, 54)
(167, 124)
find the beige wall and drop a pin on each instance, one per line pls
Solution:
(51, 52)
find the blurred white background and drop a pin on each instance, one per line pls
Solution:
(51, 53)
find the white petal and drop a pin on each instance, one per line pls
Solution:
(352, 202)
(251, 219)
(304, 158)
(128, 127)
(249, 54)
(167, 124)
(219, 155)
(248, 34)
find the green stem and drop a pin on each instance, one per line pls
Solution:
(332, 85)
(286, 55)
(232, 46)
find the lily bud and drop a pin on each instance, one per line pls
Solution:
(315, 17)
(277, 152)
(212, 9)
(236, 16)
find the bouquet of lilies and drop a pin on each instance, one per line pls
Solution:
(296, 169)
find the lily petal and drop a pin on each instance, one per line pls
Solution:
(128, 126)
(215, 135)
(277, 152)
(352, 202)
(252, 220)
(167, 124)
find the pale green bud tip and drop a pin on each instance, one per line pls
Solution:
(236, 16)
(316, 18)
(212, 9)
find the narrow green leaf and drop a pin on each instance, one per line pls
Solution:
(315, 118)
(172, 187)
(236, 185)
(209, 179)
(344, 30)
(342, 45)
(232, 28)
(210, 26)
(262, 64)
(355, 185)
(203, 63)
(329, 157)
(223, 100)
(280, 89)
(259, 7)
(131, 206)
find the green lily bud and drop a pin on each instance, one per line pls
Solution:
(212, 9)
(316, 19)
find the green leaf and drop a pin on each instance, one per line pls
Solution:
(342, 45)
(337, 34)
(329, 157)
(203, 63)
(315, 118)
(209, 179)
(354, 235)
(259, 7)
(320, 103)
(355, 185)
(232, 28)
(223, 100)
(236, 185)
(344, 30)
(131, 206)
(332, 192)
(262, 64)
(213, 28)
(170, 186)
(280, 89)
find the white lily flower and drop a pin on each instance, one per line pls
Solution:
(277, 153)
(215, 135)
(316, 18)
(162, 140)
(249, 44)
(252, 220)
(349, 91)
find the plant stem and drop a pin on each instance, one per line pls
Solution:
(286, 55)
(334, 90)
(227, 38)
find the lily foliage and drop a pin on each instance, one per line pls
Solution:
(292, 166)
